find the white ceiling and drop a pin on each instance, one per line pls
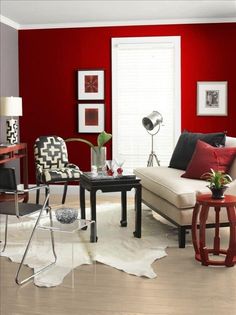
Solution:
(64, 13)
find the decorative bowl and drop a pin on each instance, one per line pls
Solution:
(66, 215)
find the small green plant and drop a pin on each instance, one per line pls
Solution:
(216, 179)
(102, 139)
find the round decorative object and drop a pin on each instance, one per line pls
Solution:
(66, 215)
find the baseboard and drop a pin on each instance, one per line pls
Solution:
(73, 190)
(58, 189)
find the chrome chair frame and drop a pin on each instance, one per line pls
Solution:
(40, 209)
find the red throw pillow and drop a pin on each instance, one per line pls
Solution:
(206, 157)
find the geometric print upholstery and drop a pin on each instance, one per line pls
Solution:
(51, 159)
(50, 152)
(59, 174)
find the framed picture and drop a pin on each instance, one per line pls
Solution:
(91, 84)
(91, 117)
(212, 98)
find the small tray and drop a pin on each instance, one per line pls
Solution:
(107, 177)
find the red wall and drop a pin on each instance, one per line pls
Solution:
(49, 60)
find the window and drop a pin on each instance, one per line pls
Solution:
(145, 77)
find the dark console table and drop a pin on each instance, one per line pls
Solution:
(111, 184)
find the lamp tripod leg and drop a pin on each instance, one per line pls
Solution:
(150, 159)
(158, 162)
(152, 155)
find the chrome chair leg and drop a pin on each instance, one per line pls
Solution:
(5, 237)
(28, 245)
(52, 237)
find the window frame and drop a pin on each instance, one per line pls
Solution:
(176, 42)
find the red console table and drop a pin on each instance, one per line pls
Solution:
(204, 202)
(14, 152)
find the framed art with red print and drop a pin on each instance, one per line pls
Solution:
(91, 84)
(91, 117)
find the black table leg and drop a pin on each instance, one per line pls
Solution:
(82, 204)
(138, 211)
(93, 232)
(123, 221)
(93, 236)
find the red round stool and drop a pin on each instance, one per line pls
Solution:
(201, 209)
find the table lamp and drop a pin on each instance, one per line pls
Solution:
(11, 107)
(152, 124)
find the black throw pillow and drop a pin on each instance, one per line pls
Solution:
(186, 145)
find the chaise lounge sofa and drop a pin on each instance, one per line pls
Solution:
(171, 191)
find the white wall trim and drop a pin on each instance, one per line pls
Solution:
(9, 22)
(73, 190)
(18, 26)
(58, 189)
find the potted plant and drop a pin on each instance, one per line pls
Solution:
(98, 151)
(217, 182)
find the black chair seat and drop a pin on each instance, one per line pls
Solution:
(8, 208)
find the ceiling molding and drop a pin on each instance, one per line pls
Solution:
(9, 22)
(17, 26)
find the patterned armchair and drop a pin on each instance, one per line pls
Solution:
(52, 165)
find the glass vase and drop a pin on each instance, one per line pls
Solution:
(98, 158)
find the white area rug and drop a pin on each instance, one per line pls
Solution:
(116, 245)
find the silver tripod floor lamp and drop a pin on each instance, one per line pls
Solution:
(152, 124)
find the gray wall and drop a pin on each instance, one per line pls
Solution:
(9, 68)
(9, 72)
(9, 61)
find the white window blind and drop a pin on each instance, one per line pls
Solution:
(145, 77)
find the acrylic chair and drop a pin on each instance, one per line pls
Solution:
(19, 209)
(52, 165)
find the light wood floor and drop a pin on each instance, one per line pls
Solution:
(182, 286)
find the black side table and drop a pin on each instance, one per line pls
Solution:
(111, 184)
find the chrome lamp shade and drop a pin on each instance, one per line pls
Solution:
(152, 120)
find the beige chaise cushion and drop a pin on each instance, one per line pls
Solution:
(231, 142)
(168, 184)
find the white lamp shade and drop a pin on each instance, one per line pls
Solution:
(11, 106)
